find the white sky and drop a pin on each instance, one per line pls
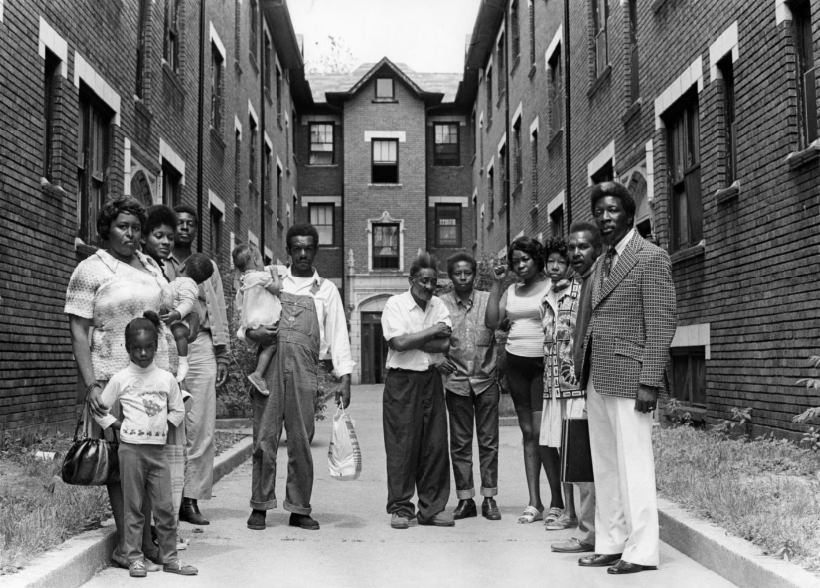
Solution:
(427, 35)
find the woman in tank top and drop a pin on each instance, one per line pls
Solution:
(521, 305)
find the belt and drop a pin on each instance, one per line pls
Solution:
(404, 371)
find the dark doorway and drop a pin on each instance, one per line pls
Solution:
(374, 348)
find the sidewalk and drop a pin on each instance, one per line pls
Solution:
(357, 547)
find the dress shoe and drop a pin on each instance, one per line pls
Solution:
(624, 567)
(571, 546)
(440, 519)
(303, 522)
(489, 509)
(599, 560)
(465, 509)
(256, 521)
(188, 512)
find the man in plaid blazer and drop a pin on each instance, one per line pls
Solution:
(625, 355)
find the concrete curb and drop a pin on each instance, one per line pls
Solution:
(77, 560)
(737, 560)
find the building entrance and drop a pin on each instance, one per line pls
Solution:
(374, 348)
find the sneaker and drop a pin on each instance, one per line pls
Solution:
(136, 569)
(151, 566)
(259, 383)
(177, 567)
(440, 519)
(563, 522)
(399, 522)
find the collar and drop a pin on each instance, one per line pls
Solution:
(315, 280)
(621, 245)
(411, 302)
(460, 302)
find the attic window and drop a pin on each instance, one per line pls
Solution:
(384, 89)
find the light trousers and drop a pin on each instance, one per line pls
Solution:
(200, 418)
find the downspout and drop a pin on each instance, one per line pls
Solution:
(567, 126)
(506, 73)
(262, 130)
(200, 171)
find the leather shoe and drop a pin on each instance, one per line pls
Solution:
(464, 509)
(440, 519)
(303, 522)
(256, 521)
(624, 567)
(599, 560)
(489, 509)
(571, 546)
(188, 513)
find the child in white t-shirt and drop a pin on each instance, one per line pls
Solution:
(150, 400)
(258, 299)
(184, 318)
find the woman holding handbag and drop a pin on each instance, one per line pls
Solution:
(107, 290)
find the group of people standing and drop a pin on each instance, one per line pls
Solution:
(587, 336)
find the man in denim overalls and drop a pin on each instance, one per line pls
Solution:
(313, 326)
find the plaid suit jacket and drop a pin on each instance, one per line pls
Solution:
(632, 323)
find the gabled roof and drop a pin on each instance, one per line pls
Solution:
(359, 80)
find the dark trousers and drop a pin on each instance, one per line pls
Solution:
(144, 474)
(463, 411)
(293, 383)
(415, 442)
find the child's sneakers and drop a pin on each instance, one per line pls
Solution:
(177, 567)
(259, 383)
(182, 368)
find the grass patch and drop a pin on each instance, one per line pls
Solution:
(764, 490)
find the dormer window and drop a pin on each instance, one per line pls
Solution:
(384, 89)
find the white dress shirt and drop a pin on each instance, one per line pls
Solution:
(402, 316)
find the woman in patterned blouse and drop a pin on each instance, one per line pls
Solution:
(112, 286)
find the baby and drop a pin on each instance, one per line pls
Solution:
(258, 300)
(184, 319)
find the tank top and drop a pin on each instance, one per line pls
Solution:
(526, 337)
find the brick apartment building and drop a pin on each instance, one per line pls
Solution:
(171, 101)
(706, 110)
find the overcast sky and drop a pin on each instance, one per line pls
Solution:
(427, 35)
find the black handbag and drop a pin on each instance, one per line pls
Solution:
(576, 458)
(90, 462)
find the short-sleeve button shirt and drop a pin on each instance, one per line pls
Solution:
(402, 316)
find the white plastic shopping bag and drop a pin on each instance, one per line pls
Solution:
(344, 457)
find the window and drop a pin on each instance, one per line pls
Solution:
(634, 87)
(216, 233)
(515, 31)
(445, 144)
(683, 152)
(384, 89)
(93, 160)
(171, 184)
(237, 166)
(385, 161)
(730, 130)
(555, 80)
(51, 85)
(267, 65)
(502, 71)
(532, 31)
(252, 157)
(517, 172)
(600, 14)
(534, 150)
(448, 225)
(488, 82)
(557, 222)
(473, 133)
(689, 375)
(321, 144)
(279, 97)
(217, 88)
(385, 246)
(604, 174)
(805, 70)
(502, 177)
(171, 47)
(321, 217)
(142, 37)
(268, 173)
(491, 192)
(253, 47)
(278, 193)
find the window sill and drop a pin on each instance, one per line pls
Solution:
(217, 138)
(320, 165)
(501, 93)
(516, 61)
(458, 165)
(384, 185)
(693, 252)
(254, 65)
(555, 140)
(172, 77)
(533, 69)
(726, 195)
(267, 97)
(797, 159)
(53, 190)
(519, 187)
(602, 80)
(631, 112)
(385, 101)
(82, 249)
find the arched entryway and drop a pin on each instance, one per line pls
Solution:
(373, 345)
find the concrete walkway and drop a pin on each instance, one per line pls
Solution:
(357, 548)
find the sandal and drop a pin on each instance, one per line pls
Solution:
(563, 522)
(530, 515)
(553, 515)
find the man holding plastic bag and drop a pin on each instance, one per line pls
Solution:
(344, 456)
